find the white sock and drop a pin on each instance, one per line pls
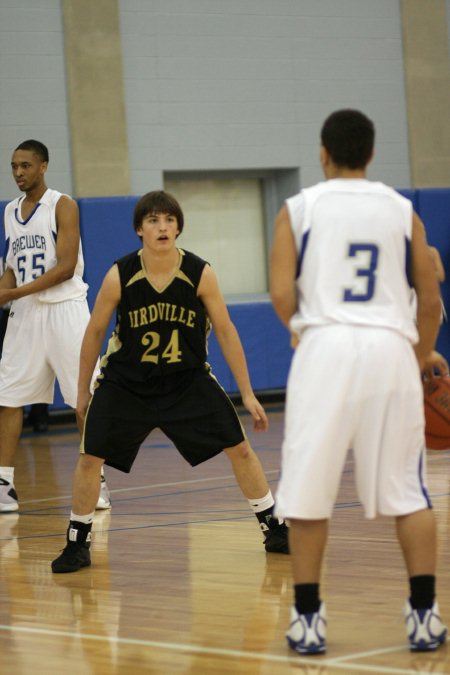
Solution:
(87, 519)
(7, 472)
(262, 503)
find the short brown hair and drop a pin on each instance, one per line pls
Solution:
(157, 202)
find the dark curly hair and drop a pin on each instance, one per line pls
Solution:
(36, 147)
(348, 136)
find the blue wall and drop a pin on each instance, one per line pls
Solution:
(107, 233)
(433, 206)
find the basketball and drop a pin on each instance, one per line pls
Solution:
(437, 412)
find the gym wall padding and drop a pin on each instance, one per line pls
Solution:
(107, 234)
(433, 206)
(266, 345)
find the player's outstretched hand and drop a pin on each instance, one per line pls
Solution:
(254, 407)
(434, 364)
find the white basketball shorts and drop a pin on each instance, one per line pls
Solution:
(42, 341)
(354, 388)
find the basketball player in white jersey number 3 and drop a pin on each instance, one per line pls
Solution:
(346, 253)
(49, 311)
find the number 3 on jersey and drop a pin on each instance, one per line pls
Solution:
(366, 271)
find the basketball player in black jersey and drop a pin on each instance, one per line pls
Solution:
(155, 374)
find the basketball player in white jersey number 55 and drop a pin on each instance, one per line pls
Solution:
(43, 280)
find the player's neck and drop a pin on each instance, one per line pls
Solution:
(34, 195)
(161, 261)
(344, 172)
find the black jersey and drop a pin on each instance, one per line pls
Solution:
(158, 333)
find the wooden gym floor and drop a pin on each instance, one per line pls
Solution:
(180, 582)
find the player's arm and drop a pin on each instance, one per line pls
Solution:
(67, 246)
(283, 263)
(230, 344)
(105, 305)
(437, 262)
(426, 285)
(7, 281)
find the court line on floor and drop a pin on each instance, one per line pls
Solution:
(132, 528)
(340, 663)
(149, 486)
(193, 481)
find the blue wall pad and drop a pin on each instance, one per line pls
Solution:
(107, 234)
(266, 345)
(433, 206)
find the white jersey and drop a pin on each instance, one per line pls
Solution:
(31, 248)
(353, 239)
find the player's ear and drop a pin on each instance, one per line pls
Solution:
(324, 156)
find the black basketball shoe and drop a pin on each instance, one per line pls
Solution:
(72, 558)
(276, 537)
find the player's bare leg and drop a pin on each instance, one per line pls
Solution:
(252, 480)
(307, 541)
(417, 536)
(11, 421)
(248, 470)
(104, 499)
(86, 484)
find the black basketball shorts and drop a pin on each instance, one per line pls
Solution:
(199, 419)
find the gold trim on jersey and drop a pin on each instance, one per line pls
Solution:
(143, 274)
(114, 345)
(136, 277)
(181, 275)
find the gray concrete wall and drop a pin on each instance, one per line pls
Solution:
(247, 83)
(214, 85)
(33, 99)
